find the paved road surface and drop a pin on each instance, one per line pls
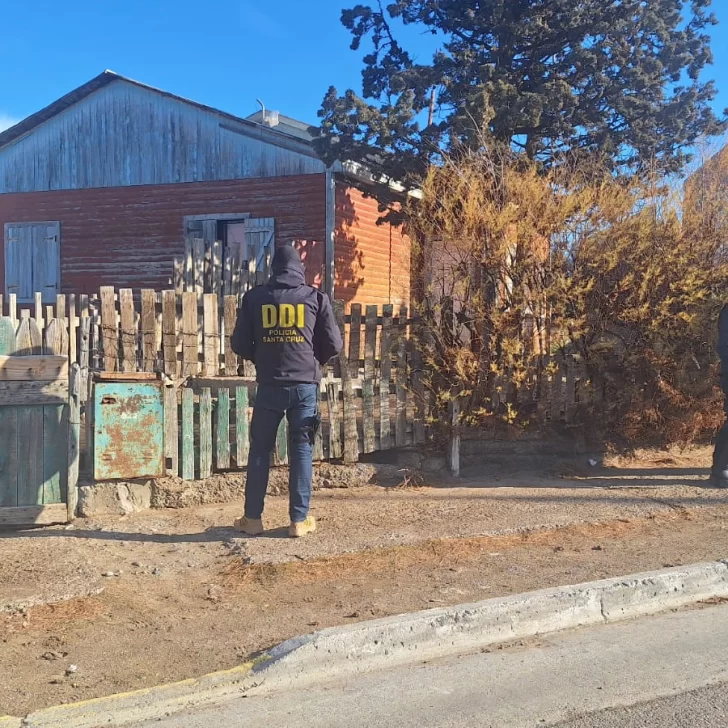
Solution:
(670, 668)
(704, 708)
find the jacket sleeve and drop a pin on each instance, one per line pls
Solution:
(242, 341)
(723, 337)
(327, 342)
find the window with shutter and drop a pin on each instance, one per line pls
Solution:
(33, 260)
(218, 248)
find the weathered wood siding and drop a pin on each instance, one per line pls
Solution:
(124, 135)
(129, 236)
(372, 262)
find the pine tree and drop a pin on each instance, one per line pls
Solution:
(620, 78)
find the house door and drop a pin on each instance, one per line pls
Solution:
(33, 260)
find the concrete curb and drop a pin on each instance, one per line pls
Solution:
(7, 721)
(427, 635)
(141, 705)
(442, 632)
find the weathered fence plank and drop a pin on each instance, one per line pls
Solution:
(241, 426)
(109, 330)
(205, 433)
(370, 342)
(354, 338)
(222, 450)
(128, 331)
(171, 431)
(149, 330)
(189, 335)
(351, 435)
(230, 314)
(332, 405)
(169, 333)
(188, 435)
(401, 421)
(212, 336)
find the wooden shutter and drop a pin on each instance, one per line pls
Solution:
(260, 240)
(47, 260)
(18, 261)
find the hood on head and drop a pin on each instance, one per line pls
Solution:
(287, 268)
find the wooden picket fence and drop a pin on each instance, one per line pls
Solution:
(372, 396)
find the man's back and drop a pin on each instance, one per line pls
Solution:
(286, 328)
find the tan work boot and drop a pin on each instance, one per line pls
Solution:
(249, 526)
(298, 530)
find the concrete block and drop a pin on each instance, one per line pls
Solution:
(114, 498)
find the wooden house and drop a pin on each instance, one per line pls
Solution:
(110, 183)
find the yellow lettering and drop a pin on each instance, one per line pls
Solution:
(270, 316)
(300, 315)
(287, 315)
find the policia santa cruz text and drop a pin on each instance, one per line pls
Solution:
(287, 329)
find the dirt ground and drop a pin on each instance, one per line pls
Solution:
(165, 595)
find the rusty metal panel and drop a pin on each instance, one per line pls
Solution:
(128, 430)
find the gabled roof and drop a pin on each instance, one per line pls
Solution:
(288, 132)
(104, 79)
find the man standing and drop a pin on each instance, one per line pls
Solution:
(287, 329)
(719, 473)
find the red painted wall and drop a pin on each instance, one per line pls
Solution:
(372, 261)
(127, 237)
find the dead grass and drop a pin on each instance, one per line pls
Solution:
(49, 616)
(438, 553)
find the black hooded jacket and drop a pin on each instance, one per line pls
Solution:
(286, 328)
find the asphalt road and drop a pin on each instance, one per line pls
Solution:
(671, 669)
(705, 708)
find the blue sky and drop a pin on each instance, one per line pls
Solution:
(224, 53)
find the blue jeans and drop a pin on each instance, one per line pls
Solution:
(299, 403)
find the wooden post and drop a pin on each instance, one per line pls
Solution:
(74, 439)
(189, 334)
(171, 431)
(230, 312)
(355, 339)
(318, 445)
(351, 436)
(149, 330)
(222, 451)
(109, 330)
(454, 444)
(205, 433)
(169, 333)
(72, 329)
(60, 306)
(128, 331)
(370, 342)
(13, 308)
(36, 337)
(38, 299)
(84, 342)
(332, 404)
(385, 375)
(56, 338)
(401, 422)
(188, 434)
(241, 426)
(212, 336)
(178, 274)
